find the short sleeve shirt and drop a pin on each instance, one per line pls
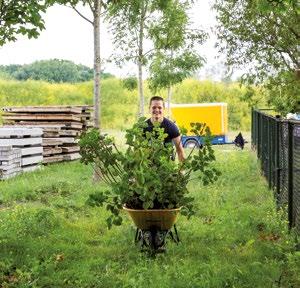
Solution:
(170, 128)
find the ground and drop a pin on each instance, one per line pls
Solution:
(49, 237)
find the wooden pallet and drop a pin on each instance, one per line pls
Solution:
(8, 133)
(46, 117)
(62, 125)
(44, 109)
(10, 162)
(29, 140)
(42, 124)
(21, 142)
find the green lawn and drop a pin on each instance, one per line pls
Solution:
(50, 238)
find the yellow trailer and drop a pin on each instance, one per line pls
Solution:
(213, 114)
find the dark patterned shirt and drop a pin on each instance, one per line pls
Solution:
(170, 128)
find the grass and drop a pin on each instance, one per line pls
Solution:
(50, 238)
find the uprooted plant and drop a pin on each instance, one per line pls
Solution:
(144, 176)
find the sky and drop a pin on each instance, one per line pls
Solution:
(68, 36)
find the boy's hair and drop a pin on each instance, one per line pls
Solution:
(156, 98)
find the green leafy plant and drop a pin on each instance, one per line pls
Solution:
(145, 176)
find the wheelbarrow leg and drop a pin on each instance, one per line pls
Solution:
(174, 236)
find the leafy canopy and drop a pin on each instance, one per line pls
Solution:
(53, 71)
(174, 58)
(21, 17)
(263, 37)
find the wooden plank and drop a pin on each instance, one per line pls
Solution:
(72, 156)
(11, 166)
(69, 133)
(45, 117)
(10, 175)
(6, 148)
(52, 150)
(68, 149)
(32, 160)
(6, 162)
(51, 130)
(52, 159)
(50, 126)
(42, 124)
(21, 142)
(10, 153)
(6, 132)
(64, 140)
(52, 142)
(31, 168)
(44, 109)
(32, 150)
(50, 134)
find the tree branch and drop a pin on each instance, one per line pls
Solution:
(81, 15)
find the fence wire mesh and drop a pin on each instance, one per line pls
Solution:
(296, 176)
(277, 143)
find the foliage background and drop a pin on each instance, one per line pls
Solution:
(120, 106)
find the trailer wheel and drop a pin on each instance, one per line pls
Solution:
(191, 143)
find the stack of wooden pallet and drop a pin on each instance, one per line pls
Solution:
(28, 140)
(62, 125)
(10, 162)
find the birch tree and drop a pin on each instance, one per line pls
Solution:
(175, 43)
(131, 22)
(96, 7)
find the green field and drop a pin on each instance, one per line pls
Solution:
(49, 237)
(117, 101)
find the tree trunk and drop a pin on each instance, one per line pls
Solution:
(141, 91)
(97, 64)
(140, 64)
(169, 101)
(97, 68)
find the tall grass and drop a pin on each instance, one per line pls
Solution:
(119, 107)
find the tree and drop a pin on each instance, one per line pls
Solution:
(95, 7)
(132, 23)
(175, 57)
(265, 40)
(130, 83)
(54, 70)
(20, 17)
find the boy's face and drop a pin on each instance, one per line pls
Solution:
(157, 110)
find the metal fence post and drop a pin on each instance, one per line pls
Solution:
(277, 161)
(290, 175)
(269, 153)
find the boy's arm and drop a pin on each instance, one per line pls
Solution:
(179, 148)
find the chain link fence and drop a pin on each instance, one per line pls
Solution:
(277, 143)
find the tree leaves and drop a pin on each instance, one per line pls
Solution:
(21, 17)
(263, 38)
(144, 176)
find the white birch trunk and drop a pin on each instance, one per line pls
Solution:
(97, 63)
(169, 101)
(97, 68)
(141, 90)
(140, 64)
